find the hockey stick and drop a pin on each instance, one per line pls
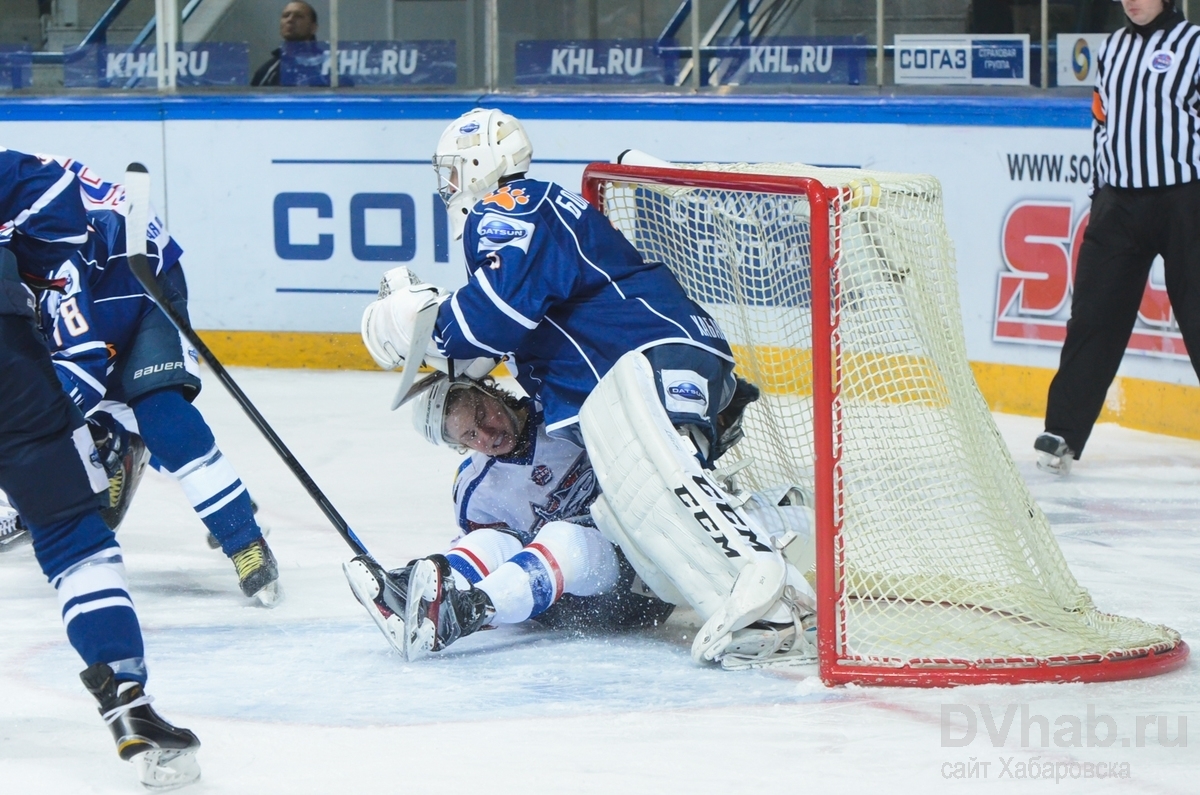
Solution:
(137, 194)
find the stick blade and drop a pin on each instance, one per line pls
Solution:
(421, 335)
(137, 209)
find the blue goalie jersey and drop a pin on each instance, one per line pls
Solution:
(552, 283)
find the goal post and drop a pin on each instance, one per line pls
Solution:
(836, 288)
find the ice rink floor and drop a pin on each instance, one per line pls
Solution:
(309, 698)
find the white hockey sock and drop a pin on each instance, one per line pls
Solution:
(479, 553)
(564, 558)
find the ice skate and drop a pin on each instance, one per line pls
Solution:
(258, 573)
(437, 613)
(1056, 456)
(164, 755)
(383, 594)
(124, 456)
(764, 644)
(13, 532)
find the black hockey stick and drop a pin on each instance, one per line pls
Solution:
(137, 193)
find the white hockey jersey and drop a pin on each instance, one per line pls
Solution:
(552, 481)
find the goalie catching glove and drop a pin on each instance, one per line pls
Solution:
(388, 324)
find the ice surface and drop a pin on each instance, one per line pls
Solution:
(309, 698)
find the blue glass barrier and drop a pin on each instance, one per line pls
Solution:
(590, 62)
(371, 63)
(835, 60)
(16, 66)
(832, 60)
(205, 64)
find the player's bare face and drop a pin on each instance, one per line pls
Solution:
(296, 23)
(1142, 12)
(482, 423)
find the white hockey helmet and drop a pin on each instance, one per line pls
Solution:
(429, 413)
(475, 152)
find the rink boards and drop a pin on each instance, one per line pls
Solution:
(289, 207)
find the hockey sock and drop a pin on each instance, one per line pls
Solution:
(564, 558)
(99, 616)
(178, 436)
(479, 553)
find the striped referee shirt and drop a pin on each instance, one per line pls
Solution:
(1147, 104)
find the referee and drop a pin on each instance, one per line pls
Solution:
(1146, 110)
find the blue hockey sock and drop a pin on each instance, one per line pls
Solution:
(98, 613)
(178, 436)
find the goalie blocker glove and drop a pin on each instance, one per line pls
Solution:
(164, 755)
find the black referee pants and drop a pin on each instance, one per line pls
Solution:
(1127, 228)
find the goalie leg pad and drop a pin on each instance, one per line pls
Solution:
(668, 511)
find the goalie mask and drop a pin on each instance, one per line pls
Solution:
(474, 153)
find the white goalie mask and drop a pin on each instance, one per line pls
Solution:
(474, 153)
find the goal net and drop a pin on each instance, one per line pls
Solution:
(836, 288)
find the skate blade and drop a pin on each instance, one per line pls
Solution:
(269, 595)
(162, 769)
(365, 588)
(420, 632)
(14, 540)
(789, 659)
(1055, 465)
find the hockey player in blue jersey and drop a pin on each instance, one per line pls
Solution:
(623, 361)
(125, 366)
(51, 471)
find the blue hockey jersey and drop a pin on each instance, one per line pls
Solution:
(42, 219)
(96, 311)
(552, 283)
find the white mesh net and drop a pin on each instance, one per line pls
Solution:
(942, 557)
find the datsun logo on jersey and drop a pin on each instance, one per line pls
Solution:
(496, 231)
(1040, 244)
(500, 231)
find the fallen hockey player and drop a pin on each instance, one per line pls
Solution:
(529, 548)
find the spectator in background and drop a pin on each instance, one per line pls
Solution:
(298, 22)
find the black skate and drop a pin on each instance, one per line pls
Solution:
(1056, 455)
(436, 612)
(124, 456)
(164, 755)
(258, 573)
(383, 594)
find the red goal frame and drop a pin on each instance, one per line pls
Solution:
(824, 202)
